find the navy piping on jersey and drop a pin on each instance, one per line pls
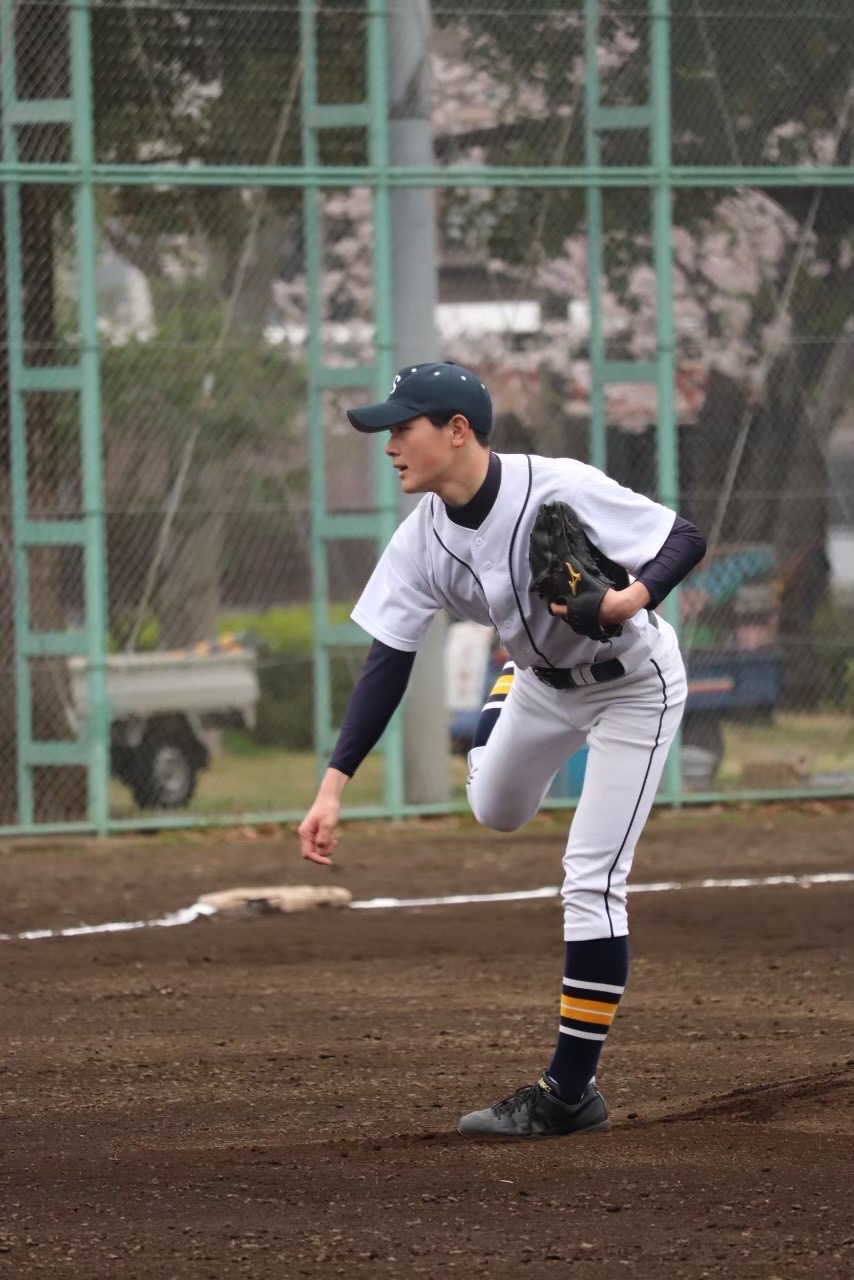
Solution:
(640, 795)
(462, 562)
(510, 565)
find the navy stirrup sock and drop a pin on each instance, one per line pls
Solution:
(595, 978)
(492, 708)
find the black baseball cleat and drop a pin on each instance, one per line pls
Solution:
(538, 1111)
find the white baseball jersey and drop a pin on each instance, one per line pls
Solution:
(483, 575)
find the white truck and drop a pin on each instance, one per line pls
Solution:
(164, 708)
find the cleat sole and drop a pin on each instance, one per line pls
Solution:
(604, 1126)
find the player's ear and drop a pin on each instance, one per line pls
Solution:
(459, 425)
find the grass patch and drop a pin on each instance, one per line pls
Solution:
(795, 747)
(253, 779)
(249, 778)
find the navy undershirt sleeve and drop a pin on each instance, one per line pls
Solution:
(683, 547)
(374, 700)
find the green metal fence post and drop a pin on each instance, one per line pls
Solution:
(17, 419)
(94, 553)
(667, 459)
(667, 443)
(384, 479)
(374, 378)
(593, 159)
(316, 452)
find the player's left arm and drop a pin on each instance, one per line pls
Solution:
(655, 546)
(682, 549)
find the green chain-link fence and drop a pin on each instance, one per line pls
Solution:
(204, 299)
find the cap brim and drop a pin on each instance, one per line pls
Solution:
(379, 417)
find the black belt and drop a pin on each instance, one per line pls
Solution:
(562, 678)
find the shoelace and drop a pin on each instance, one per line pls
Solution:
(517, 1100)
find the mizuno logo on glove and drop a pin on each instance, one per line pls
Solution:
(574, 578)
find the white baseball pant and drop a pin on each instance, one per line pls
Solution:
(628, 726)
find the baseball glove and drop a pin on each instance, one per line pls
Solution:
(567, 569)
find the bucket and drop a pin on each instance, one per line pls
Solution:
(570, 779)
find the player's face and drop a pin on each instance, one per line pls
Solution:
(420, 453)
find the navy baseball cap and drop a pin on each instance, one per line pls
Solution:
(426, 389)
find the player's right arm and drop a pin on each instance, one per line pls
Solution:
(317, 830)
(374, 700)
(395, 609)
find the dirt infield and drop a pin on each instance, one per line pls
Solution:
(278, 1096)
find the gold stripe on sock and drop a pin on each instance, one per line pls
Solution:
(578, 1014)
(595, 1006)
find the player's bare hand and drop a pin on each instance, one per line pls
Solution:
(317, 830)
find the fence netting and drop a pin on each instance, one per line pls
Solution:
(203, 301)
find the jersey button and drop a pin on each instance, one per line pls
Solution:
(478, 542)
(488, 564)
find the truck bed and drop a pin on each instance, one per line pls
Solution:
(182, 680)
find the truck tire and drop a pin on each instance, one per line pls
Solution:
(164, 770)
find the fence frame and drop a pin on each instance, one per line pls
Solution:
(660, 177)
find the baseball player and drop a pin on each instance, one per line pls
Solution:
(567, 566)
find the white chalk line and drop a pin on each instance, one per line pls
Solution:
(185, 916)
(200, 910)
(661, 886)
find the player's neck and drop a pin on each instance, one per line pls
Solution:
(458, 488)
